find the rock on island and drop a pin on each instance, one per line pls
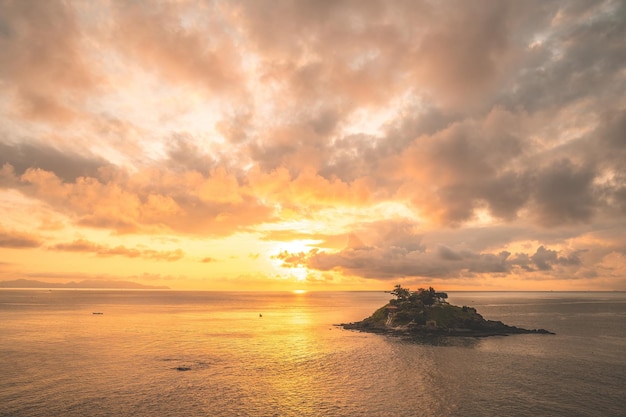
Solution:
(426, 312)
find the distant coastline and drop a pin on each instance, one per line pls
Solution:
(85, 284)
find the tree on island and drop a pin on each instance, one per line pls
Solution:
(421, 296)
(401, 294)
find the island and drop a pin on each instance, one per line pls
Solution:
(426, 312)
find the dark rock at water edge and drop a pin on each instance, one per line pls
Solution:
(490, 329)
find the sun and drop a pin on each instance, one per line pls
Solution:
(297, 273)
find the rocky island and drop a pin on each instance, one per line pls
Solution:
(427, 313)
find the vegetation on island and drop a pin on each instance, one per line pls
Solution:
(426, 311)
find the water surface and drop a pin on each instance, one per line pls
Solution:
(57, 358)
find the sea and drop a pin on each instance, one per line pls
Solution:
(179, 353)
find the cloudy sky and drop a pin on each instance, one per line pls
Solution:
(314, 144)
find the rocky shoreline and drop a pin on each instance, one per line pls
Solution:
(492, 328)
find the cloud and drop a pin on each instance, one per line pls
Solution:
(565, 194)
(443, 262)
(82, 245)
(581, 51)
(394, 262)
(396, 255)
(451, 163)
(545, 258)
(65, 165)
(42, 60)
(451, 139)
(150, 201)
(469, 51)
(171, 40)
(18, 240)
(501, 157)
(185, 155)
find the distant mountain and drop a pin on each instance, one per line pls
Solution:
(93, 284)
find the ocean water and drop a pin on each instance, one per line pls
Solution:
(171, 353)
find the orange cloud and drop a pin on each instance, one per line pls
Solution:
(308, 189)
(82, 245)
(18, 240)
(150, 201)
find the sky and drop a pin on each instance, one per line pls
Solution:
(319, 145)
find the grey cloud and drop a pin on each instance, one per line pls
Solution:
(384, 262)
(564, 194)
(612, 130)
(396, 234)
(377, 263)
(470, 163)
(584, 51)
(324, 121)
(162, 38)
(40, 55)
(478, 238)
(444, 262)
(464, 62)
(352, 157)
(448, 254)
(360, 50)
(475, 262)
(608, 143)
(619, 196)
(185, 155)
(545, 259)
(396, 250)
(361, 155)
(294, 147)
(506, 193)
(236, 128)
(66, 165)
